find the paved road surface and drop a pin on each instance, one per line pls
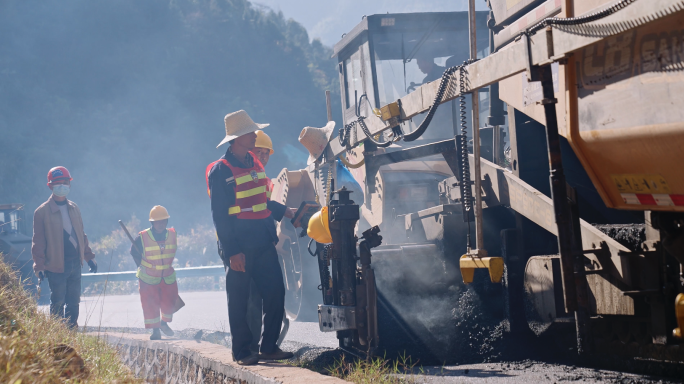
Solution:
(527, 372)
(203, 310)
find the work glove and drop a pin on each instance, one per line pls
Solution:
(93, 266)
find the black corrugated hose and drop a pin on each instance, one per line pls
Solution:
(344, 133)
(438, 99)
(580, 20)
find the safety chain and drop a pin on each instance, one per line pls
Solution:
(328, 184)
(325, 268)
(466, 191)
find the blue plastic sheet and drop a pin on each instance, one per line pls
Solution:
(345, 179)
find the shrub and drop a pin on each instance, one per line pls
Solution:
(38, 348)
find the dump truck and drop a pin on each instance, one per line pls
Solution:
(533, 184)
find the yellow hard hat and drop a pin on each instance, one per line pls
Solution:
(263, 141)
(158, 213)
(318, 227)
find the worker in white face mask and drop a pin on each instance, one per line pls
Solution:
(60, 247)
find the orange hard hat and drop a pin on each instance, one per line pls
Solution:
(158, 213)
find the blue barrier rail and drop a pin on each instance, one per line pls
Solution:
(212, 270)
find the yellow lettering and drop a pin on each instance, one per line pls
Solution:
(619, 54)
(593, 61)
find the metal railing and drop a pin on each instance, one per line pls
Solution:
(212, 270)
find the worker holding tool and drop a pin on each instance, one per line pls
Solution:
(244, 219)
(60, 246)
(153, 251)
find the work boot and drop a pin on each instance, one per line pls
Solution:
(166, 329)
(156, 335)
(252, 359)
(277, 354)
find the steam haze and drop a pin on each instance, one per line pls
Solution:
(130, 96)
(328, 19)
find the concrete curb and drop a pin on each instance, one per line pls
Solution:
(189, 361)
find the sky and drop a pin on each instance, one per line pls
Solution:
(329, 19)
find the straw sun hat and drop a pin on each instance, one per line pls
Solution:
(315, 140)
(237, 124)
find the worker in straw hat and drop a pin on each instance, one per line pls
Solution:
(316, 139)
(243, 216)
(153, 251)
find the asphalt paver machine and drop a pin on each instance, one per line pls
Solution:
(416, 280)
(569, 181)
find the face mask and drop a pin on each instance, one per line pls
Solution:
(60, 190)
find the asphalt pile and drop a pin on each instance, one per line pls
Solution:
(629, 235)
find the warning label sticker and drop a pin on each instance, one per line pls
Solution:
(640, 183)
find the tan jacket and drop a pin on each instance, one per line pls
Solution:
(48, 237)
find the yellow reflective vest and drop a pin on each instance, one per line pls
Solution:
(157, 259)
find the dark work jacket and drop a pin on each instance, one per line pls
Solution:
(235, 235)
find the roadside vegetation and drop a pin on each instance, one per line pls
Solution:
(376, 371)
(37, 348)
(349, 368)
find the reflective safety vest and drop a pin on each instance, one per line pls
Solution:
(158, 255)
(252, 190)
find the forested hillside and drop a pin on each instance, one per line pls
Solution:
(130, 96)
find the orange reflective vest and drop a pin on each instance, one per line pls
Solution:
(252, 190)
(158, 255)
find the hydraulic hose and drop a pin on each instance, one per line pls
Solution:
(308, 248)
(350, 165)
(570, 21)
(431, 112)
(345, 134)
(370, 137)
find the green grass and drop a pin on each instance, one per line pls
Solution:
(376, 370)
(28, 338)
(380, 370)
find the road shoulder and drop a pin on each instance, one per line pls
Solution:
(176, 360)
